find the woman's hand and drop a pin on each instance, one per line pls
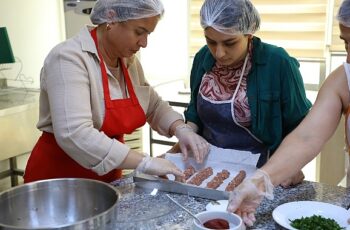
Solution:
(190, 141)
(175, 149)
(158, 166)
(294, 180)
(245, 199)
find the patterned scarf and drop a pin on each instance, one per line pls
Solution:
(220, 83)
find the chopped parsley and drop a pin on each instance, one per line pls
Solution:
(315, 222)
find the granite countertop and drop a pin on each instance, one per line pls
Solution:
(142, 209)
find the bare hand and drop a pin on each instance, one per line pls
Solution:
(294, 180)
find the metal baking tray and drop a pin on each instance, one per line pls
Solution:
(152, 182)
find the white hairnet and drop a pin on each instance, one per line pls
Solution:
(344, 13)
(230, 16)
(123, 10)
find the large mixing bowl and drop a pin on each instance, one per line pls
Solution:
(59, 204)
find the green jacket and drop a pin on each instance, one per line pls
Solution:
(275, 91)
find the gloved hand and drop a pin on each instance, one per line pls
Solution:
(189, 140)
(294, 180)
(245, 199)
(158, 166)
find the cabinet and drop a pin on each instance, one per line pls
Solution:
(19, 112)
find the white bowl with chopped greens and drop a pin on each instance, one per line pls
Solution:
(289, 214)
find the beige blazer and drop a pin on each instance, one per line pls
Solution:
(72, 103)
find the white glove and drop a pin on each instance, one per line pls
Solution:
(245, 199)
(189, 140)
(158, 166)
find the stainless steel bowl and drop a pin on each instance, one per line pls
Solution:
(59, 204)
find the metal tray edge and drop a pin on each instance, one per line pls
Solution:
(152, 182)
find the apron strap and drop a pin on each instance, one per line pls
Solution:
(128, 82)
(107, 96)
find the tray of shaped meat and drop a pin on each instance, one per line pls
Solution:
(219, 174)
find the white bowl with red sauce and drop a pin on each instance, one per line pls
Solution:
(218, 220)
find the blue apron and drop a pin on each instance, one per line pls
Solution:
(222, 130)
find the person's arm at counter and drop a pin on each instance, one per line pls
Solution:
(167, 122)
(297, 149)
(189, 140)
(149, 165)
(304, 144)
(159, 166)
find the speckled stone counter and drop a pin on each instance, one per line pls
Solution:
(142, 209)
(306, 191)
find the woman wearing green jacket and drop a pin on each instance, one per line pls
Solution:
(245, 94)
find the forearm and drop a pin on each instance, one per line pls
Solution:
(194, 126)
(293, 154)
(173, 126)
(181, 122)
(132, 160)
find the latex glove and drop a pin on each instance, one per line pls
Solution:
(245, 199)
(158, 166)
(294, 180)
(190, 141)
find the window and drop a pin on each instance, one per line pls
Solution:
(298, 25)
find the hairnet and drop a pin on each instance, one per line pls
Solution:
(344, 13)
(230, 16)
(123, 10)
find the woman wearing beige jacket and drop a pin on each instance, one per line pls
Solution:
(93, 91)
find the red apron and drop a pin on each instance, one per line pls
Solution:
(48, 160)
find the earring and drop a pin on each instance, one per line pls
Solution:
(108, 26)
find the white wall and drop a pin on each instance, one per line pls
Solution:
(34, 27)
(166, 56)
(165, 59)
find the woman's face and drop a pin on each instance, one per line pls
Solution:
(228, 50)
(345, 36)
(126, 38)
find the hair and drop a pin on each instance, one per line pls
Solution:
(344, 13)
(230, 16)
(124, 10)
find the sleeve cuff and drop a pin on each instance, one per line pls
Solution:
(114, 158)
